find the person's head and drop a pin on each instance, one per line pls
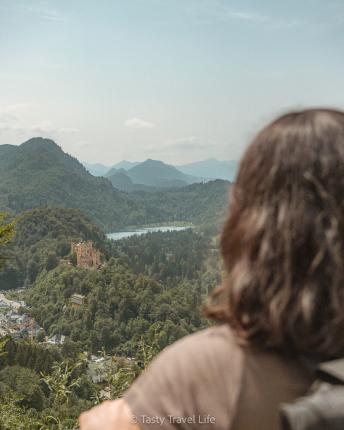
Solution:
(283, 241)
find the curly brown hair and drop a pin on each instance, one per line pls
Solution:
(283, 241)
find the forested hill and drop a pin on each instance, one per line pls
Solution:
(135, 293)
(55, 223)
(204, 203)
(147, 294)
(42, 238)
(38, 172)
(159, 278)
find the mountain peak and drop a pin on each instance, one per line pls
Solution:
(125, 164)
(158, 174)
(40, 141)
(150, 161)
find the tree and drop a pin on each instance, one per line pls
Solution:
(40, 336)
(23, 382)
(6, 233)
(15, 416)
(62, 381)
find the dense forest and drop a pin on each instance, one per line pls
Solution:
(46, 388)
(120, 308)
(156, 279)
(147, 293)
(42, 237)
(204, 203)
(168, 257)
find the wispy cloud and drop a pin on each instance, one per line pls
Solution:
(13, 112)
(178, 140)
(39, 10)
(13, 120)
(208, 11)
(6, 127)
(47, 127)
(11, 117)
(8, 117)
(17, 107)
(247, 16)
(84, 144)
(136, 123)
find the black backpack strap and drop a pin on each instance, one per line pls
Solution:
(331, 372)
(323, 407)
(322, 410)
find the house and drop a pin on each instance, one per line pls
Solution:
(105, 394)
(98, 368)
(3, 303)
(14, 304)
(57, 339)
(77, 300)
(3, 325)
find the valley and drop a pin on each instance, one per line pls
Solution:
(96, 293)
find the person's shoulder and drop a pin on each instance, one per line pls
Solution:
(201, 373)
(211, 347)
(220, 336)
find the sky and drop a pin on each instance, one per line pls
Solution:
(175, 80)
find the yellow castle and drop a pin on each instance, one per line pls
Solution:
(86, 254)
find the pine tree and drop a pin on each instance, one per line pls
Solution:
(6, 233)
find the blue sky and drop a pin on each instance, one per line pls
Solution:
(177, 80)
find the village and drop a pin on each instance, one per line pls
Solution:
(16, 323)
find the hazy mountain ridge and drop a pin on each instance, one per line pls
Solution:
(99, 169)
(38, 173)
(123, 182)
(199, 171)
(211, 169)
(96, 169)
(150, 173)
(159, 174)
(126, 165)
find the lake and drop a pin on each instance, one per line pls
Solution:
(118, 235)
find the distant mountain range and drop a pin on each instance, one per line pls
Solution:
(132, 176)
(150, 173)
(38, 173)
(211, 169)
(97, 169)
(126, 165)
(122, 181)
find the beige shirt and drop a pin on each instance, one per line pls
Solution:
(206, 380)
